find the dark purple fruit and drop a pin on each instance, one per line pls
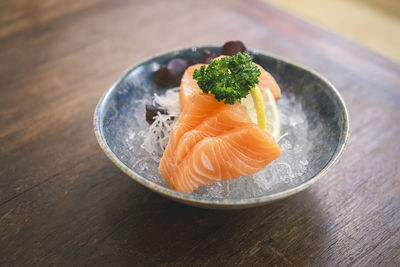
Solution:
(231, 48)
(207, 56)
(152, 110)
(171, 75)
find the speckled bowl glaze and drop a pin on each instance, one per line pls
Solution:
(316, 94)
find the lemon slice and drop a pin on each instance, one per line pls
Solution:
(262, 109)
(258, 102)
(273, 120)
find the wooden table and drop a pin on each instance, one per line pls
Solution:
(62, 202)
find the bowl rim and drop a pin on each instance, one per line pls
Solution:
(207, 201)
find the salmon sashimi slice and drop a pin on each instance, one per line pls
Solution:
(212, 141)
(225, 119)
(189, 86)
(266, 81)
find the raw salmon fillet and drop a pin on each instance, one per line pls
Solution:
(212, 141)
(189, 85)
(266, 81)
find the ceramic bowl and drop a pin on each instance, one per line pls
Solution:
(322, 103)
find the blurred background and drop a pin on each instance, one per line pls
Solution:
(372, 23)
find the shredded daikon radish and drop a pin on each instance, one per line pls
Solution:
(169, 101)
(157, 136)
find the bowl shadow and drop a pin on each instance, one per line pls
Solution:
(155, 230)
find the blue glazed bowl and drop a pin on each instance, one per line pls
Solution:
(117, 109)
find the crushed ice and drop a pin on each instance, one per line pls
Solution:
(147, 143)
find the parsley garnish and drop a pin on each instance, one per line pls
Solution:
(229, 78)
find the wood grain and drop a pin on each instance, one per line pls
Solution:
(62, 202)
